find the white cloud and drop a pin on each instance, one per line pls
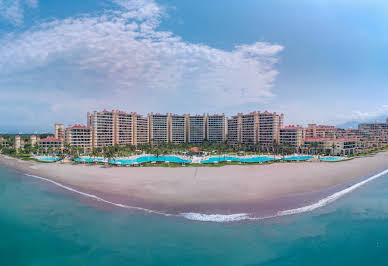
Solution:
(361, 116)
(119, 58)
(13, 10)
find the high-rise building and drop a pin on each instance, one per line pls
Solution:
(215, 127)
(177, 128)
(196, 129)
(269, 125)
(158, 128)
(59, 131)
(124, 127)
(249, 128)
(103, 128)
(234, 129)
(141, 135)
(79, 136)
(291, 135)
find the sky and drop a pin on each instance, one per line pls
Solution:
(316, 61)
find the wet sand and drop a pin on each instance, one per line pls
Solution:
(227, 189)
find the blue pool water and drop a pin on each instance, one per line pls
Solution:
(147, 159)
(139, 160)
(298, 158)
(331, 159)
(48, 159)
(235, 159)
(89, 160)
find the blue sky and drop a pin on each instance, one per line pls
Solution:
(316, 61)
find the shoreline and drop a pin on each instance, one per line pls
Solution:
(261, 190)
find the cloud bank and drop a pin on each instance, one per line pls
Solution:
(120, 59)
(13, 10)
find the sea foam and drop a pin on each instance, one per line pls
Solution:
(220, 218)
(226, 218)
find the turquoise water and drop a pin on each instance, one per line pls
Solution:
(235, 159)
(139, 160)
(44, 225)
(331, 159)
(298, 158)
(48, 159)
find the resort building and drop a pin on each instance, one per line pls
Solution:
(249, 128)
(141, 135)
(234, 129)
(3, 142)
(34, 140)
(215, 128)
(124, 127)
(320, 131)
(59, 131)
(79, 136)
(103, 128)
(338, 147)
(177, 128)
(268, 129)
(159, 128)
(291, 135)
(51, 144)
(18, 143)
(196, 129)
(373, 126)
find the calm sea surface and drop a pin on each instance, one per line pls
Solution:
(44, 225)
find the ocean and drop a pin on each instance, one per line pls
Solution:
(43, 224)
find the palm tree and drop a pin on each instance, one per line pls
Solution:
(109, 154)
(94, 154)
(332, 149)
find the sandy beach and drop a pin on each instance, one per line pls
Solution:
(226, 189)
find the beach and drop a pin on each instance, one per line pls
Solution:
(227, 189)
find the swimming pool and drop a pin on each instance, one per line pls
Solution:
(48, 159)
(89, 160)
(139, 160)
(298, 158)
(331, 159)
(235, 159)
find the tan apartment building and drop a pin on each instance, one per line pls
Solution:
(103, 128)
(159, 127)
(124, 127)
(269, 126)
(51, 143)
(292, 135)
(196, 129)
(59, 131)
(178, 128)
(141, 134)
(234, 129)
(249, 128)
(79, 136)
(215, 128)
(320, 131)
